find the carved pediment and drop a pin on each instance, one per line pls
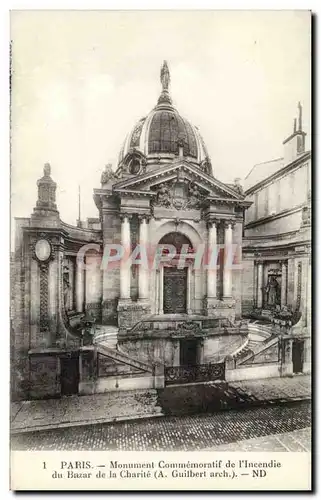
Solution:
(181, 194)
(179, 185)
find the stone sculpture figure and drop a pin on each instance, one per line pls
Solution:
(163, 196)
(107, 174)
(272, 290)
(165, 76)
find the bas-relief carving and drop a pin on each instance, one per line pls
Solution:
(179, 195)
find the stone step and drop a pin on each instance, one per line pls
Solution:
(122, 357)
(106, 334)
(107, 340)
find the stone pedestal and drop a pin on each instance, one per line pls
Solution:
(130, 313)
(109, 311)
(211, 305)
(216, 308)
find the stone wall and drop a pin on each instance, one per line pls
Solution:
(151, 350)
(93, 286)
(282, 193)
(44, 376)
(283, 223)
(20, 328)
(218, 347)
(248, 285)
(108, 367)
(111, 274)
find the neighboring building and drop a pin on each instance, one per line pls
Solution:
(168, 323)
(277, 241)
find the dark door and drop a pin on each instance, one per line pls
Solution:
(188, 352)
(175, 288)
(69, 375)
(297, 356)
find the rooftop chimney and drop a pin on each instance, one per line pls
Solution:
(294, 145)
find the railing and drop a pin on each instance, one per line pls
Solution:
(197, 373)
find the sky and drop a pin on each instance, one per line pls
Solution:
(82, 79)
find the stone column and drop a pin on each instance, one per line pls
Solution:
(284, 284)
(143, 275)
(161, 290)
(188, 291)
(211, 273)
(80, 288)
(259, 285)
(156, 291)
(227, 274)
(124, 265)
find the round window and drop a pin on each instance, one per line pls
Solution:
(134, 167)
(42, 250)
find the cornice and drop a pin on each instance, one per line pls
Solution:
(270, 218)
(184, 166)
(279, 173)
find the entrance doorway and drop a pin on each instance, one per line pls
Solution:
(175, 290)
(297, 356)
(69, 375)
(188, 352)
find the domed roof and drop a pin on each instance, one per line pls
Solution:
(164, 130)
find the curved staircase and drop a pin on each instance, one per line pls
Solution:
(107, 335)
(106, 342)
(259, 335)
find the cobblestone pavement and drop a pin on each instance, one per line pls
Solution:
(211, 397)
(299, 440)
(192, 432)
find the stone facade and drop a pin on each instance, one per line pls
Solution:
(73, 282)
(277, 244)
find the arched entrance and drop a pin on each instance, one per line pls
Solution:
(175, 279)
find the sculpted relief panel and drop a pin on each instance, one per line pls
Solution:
(179, 194)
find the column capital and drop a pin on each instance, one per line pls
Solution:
(144, 217)
(125, 215)
(212, 222)
(228, 222)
